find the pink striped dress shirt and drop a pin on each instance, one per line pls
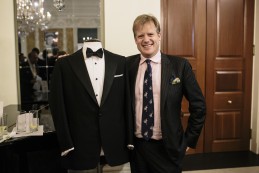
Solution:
(156, 79)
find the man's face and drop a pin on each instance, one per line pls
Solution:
(49, 41)
(147, 39)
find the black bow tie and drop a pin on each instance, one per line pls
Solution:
(90, 52)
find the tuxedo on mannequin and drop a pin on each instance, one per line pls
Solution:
(90, 116)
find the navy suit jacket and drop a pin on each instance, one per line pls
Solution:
(175, 138)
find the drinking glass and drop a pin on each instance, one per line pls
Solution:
(3, 125)
(33, 120)
(21, 125)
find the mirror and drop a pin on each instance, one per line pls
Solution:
(79, 20)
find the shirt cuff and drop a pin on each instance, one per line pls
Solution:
(67, 151)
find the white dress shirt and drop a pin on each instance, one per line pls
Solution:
(96, 70)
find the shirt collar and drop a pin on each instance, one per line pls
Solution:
(156, 58)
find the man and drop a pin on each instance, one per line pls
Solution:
(87, 101)
(30, 78)
(22, 59)
(158, 83)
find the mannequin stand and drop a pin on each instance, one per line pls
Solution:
(101, 164)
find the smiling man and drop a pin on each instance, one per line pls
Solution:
(158, 83)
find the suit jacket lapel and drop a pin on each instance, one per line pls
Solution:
(166, 74)
(133, 75)
(79, 67)
(110, 70)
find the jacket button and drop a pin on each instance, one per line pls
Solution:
(99, 114)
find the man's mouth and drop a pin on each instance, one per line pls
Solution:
(147, 46)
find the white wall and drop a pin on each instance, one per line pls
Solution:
(8, 80)
(255, 95)
(118, 20)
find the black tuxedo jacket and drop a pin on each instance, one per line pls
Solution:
(175, 138)
(79, 121)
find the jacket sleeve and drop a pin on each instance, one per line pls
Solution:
(58, 109)
(129, 115)
(197, 106)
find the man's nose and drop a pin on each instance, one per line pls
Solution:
(146, 38)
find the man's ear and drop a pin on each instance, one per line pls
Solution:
(160, 36)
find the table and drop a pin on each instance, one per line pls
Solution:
(35, 154)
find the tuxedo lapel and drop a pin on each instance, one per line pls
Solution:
(78, 65)
(110, 70)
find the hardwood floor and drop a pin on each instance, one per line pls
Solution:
(228, 170)
(225, 162)
(220, 160)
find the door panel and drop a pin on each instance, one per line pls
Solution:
(230, 22)
(227, 101)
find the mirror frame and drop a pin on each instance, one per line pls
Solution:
(102, 37)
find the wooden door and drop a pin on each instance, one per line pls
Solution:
(184, 34)
(229, 74)
(216, 36)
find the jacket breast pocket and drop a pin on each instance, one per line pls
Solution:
(118, 76)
